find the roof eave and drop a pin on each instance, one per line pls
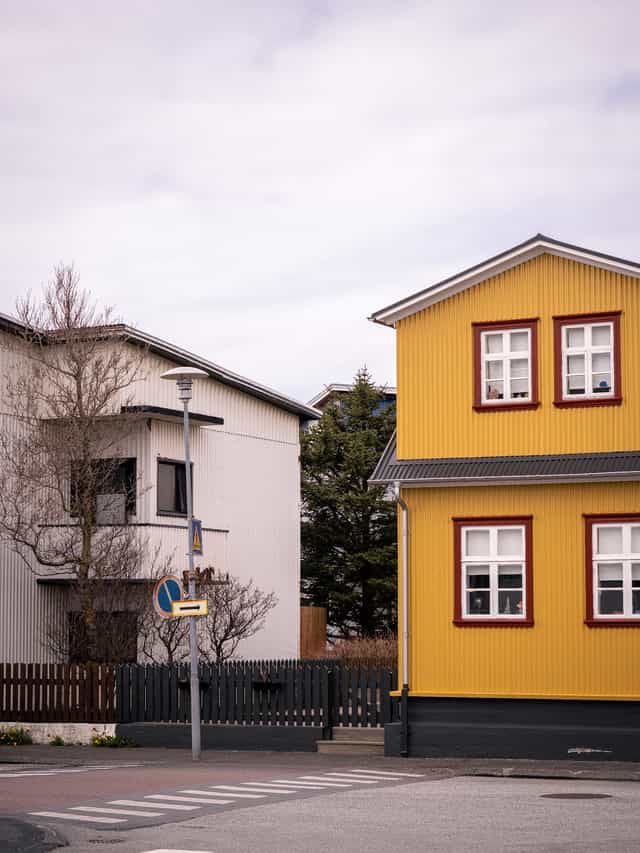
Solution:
(521, 253)
(525, 479)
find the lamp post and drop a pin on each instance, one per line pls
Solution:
(183, 377)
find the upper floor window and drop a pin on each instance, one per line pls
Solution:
(587, 360)
(505, 365)
(172, 487)
(493, 571)
(104, 487)
(613, 569)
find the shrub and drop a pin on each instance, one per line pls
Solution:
(14, 737)
(112, 741)
(56, 741)
(366, 651)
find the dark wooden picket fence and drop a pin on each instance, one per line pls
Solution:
(273, 693)
(57, 693)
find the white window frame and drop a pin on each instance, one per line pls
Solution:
(505, 357)
(626, 557)
(494, 561)
(588, 350)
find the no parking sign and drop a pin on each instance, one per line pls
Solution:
(166, 591)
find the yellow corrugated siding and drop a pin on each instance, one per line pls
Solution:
(559, 656)
(435, 367)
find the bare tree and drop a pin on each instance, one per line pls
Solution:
(237, 611)
(66, 485)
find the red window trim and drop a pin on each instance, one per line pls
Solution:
(478, 328)
(591, 620)
(461, 621)
(567, 320)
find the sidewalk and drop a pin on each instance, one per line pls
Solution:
(36, 756)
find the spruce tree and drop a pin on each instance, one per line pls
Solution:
(349, 533)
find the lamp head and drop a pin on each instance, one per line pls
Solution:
(183, 377)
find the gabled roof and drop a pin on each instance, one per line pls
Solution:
(502, 470)
(183, 357)
(531, 248)
(337, 388)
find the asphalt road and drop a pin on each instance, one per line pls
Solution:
(267, 802)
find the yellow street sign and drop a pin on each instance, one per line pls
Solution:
(190, 607)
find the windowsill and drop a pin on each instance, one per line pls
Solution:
(166, 514)
(493, 623)
(501, 407)
(628, 622)
(584, 402)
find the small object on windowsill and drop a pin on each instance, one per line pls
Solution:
(602, 388)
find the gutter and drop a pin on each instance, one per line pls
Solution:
(404, 693)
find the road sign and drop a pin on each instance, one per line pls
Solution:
(166, 591)
(190, 607)
(196, 536)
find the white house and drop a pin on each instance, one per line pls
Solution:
(246, 489)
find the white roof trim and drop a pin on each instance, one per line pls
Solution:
(538, 245)
(525, 479)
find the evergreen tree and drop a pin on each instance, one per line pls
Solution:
(349, 533)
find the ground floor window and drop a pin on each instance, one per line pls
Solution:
(613, 569)
(493, 571)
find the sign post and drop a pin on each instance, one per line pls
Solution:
(183, 377)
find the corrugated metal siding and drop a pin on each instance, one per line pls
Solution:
(435, 367)
(559, 656)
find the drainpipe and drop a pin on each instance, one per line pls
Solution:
(404, 693)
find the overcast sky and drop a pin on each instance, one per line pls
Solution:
(251, 180)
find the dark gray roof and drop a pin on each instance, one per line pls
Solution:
(559, 466)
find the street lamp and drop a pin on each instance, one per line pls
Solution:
(183, 377)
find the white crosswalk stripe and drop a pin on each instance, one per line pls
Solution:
(329, 783)
(269, 787)
(83, 817)
(311, 786)
(258, 789)
(89, 769)
(352, 777)
(202, 800)
(140, 804)
(103, 810)
(390, 773)
(235, 791)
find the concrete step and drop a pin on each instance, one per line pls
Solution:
(350, 747)
(356, 733)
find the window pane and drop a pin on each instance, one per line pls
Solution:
(610, 575)
(494, 369)
(495, 390)
(576, 384)
(601, 336)
(601, 383)
(575, 364)
(575, 336)
(520, 388)
(478, 603)
(493, 343)
(635, 602)
(510, 603)
(477, 577)
(609, 540)
(477, 543)
(610, 602)
(510, 541)
(519, 341)
(635, 575)
(635, 539)
(510, 576)
(519, 367)
(601, 362)
(166, 487)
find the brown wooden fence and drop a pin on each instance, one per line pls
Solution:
(37, 692)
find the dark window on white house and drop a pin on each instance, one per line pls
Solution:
(110, 484)
(172, 488)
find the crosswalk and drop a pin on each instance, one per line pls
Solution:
(89, 768)
(185, 801)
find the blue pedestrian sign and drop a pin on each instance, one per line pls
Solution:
(196, 536)
(166, 591)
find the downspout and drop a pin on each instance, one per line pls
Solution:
(404, 692)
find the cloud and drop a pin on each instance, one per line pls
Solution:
(251, 180)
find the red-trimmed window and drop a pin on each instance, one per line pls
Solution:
(493, 571)
(613, 570)
(505, 365)
(587, 360)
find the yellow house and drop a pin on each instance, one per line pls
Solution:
(516, 465)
